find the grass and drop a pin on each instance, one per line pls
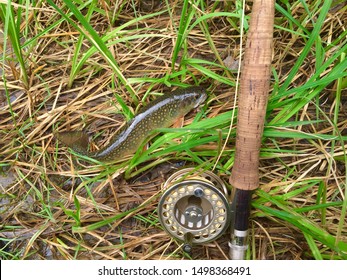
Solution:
(92, 65)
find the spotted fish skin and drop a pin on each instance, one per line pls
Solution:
(162, 112)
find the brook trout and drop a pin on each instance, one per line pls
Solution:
(162, 112)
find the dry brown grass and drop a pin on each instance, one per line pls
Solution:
(40, 178)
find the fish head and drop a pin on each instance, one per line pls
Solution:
(191, 97)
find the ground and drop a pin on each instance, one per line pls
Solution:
(56, 204)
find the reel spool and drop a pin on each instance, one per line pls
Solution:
(194, 207)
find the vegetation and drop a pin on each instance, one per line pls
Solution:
(72, 65)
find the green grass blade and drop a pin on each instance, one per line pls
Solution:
(78, 46)
(301, 222)
(314, 249)
(313, 36)
(12, 30)
(109, 40)
(96, 41)
(186, 17)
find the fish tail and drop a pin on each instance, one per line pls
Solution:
(76, 140)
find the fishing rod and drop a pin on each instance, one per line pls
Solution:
(194, 207)
(252, 102)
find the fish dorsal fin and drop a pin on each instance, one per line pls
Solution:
(76, 140)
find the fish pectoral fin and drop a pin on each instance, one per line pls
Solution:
(76, 140)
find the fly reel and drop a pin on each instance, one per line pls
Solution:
(194, 207)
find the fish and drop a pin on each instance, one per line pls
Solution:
(160, 113)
